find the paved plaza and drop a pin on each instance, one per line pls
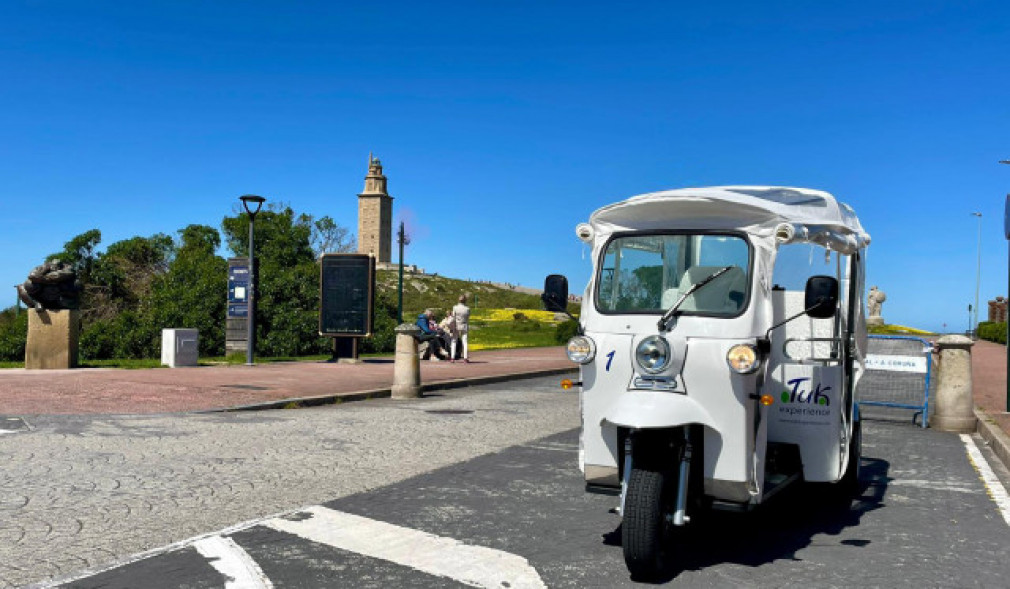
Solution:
(149, 473)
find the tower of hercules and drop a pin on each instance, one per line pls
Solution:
(375, 214)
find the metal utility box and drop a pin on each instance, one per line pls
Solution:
(179, 347)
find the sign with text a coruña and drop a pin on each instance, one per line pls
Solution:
(347, 291)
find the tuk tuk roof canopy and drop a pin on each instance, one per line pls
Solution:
(782, 213)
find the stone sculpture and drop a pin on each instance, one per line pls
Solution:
(53, 286)
(875, 300)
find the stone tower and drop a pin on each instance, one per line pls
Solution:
(375, 214)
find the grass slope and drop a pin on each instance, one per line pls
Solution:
(426, 291)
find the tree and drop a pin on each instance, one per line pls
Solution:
(120, 279)
(287, 307)
(192, 292)
(79, 252)
(326, 236)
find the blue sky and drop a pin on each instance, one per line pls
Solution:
(503, 125)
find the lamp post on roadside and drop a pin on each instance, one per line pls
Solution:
(978, 270)
(403, 239)
(1006, 232)
(247, 201)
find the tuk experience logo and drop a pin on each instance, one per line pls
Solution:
(801, 401)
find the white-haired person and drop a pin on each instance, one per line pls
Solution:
(461, 316)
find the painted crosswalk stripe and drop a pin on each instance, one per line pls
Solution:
(992, 482)
(476, 566)
(234, 563)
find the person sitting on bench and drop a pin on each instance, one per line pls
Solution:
(431, 336)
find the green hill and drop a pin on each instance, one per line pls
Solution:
(428, 291)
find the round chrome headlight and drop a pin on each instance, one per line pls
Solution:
(581, 349)
(743, 359)
(653, 354)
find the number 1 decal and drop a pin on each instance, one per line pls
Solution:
(610, 358)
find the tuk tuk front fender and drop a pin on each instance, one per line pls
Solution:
(655, 409)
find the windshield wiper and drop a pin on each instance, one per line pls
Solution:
(694, 288)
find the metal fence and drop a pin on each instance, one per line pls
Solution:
(898, 370)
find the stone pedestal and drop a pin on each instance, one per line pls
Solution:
(407, 364)
(874, 320)
(52, 339)
(954, 406)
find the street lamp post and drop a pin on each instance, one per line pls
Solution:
(402, 239)
(247, 201)
(978, 270)
(1006, 231)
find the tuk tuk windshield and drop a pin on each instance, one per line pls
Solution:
(649, 273)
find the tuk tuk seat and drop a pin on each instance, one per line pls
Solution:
(729, 289)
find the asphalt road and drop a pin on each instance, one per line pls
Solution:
(477, 487)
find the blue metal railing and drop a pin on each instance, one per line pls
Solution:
(900, 386)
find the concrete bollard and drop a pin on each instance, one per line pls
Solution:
(954, 404)
(407, 364)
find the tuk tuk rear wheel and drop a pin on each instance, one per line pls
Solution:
(849, 484)
(645, 530)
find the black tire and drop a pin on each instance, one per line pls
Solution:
(849, 485)
(645, 531)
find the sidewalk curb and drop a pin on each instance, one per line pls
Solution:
(997, 439)
(297, 402)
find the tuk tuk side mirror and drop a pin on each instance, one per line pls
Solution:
(555, 295)
(821, 297)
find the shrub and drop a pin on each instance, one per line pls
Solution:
(98, 341)
(13, 335)
(566, 331)
(994, 332)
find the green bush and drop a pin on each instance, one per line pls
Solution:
(13, 335)
(993, 332)
(383, 338)
(566, 331)
(98, 341)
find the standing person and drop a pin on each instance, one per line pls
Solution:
(461, 314)
(448, 329)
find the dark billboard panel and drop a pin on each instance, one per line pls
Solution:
(347, 292)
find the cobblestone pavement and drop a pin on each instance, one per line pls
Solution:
(80, 492)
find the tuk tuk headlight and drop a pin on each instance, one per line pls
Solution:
(653, 354)
(743, 359)
(581, 349)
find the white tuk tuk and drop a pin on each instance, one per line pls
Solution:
(715, 369)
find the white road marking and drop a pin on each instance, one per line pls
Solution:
(573, 448)
(239, 569)
(8, 431)
(992, 483)
(933, 486)
(476, 566)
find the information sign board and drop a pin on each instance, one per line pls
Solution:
(347, 292)
(238, 284)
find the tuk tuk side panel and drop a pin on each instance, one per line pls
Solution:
(808, 412)
(733, 469)
(603, 380)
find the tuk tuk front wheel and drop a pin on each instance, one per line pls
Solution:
(646, 530)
